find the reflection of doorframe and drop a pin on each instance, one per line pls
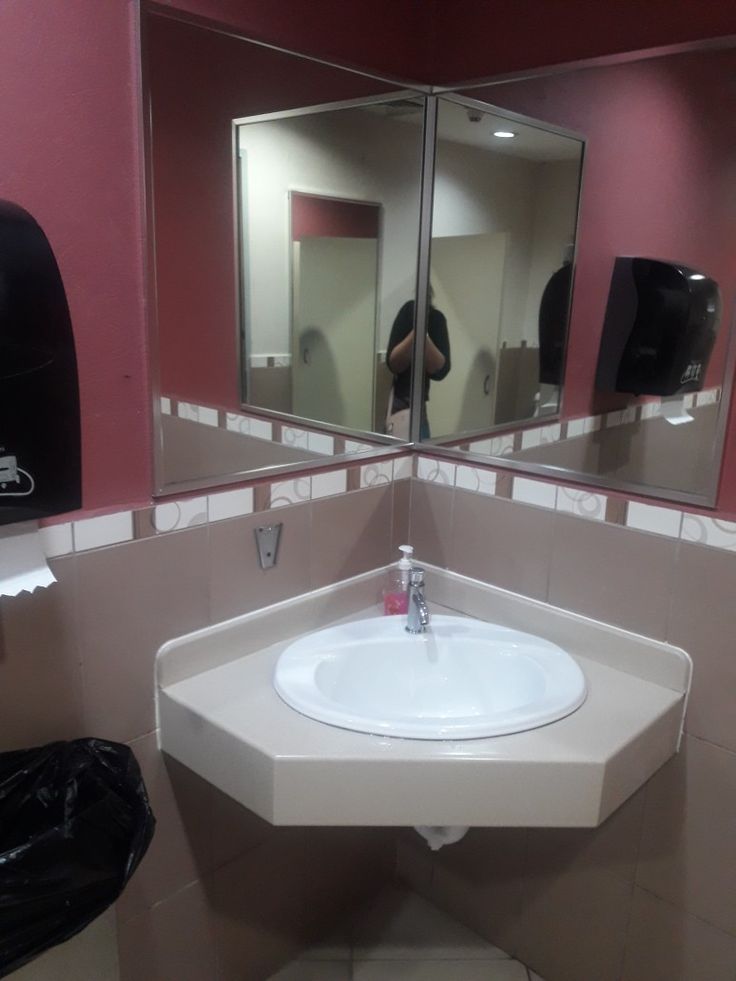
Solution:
(312, 192)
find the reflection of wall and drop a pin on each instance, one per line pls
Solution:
(354, 154)
(650, 452)
(334, 330)
(467, 277)
(478, 192)
(663, 191)
(555, 211)
(194, 451)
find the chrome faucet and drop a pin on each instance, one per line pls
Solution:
(417, 619)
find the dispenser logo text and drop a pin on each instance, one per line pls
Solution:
(692, 372)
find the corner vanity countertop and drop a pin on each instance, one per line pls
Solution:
(220, 715)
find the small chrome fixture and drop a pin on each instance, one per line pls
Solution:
(267, 540)
(417, 618)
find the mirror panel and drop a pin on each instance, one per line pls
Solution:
(503, 237)
(199, 80)
(659, 163)
(330, 226)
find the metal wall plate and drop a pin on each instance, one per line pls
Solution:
(267, 540)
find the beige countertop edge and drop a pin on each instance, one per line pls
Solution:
(292, 770)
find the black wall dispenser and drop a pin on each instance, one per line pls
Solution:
(660, 327)
(40, 444)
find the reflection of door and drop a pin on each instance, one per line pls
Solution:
(333, 338)
(334, 306)
(467, 278)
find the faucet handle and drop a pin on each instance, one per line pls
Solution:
(416, 576)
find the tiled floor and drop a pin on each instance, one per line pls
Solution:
(402, 937)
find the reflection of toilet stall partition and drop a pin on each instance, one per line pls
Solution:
(467, 278)
(334, 308)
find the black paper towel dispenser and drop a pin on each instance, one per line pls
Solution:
(40, 443)
(660, 327)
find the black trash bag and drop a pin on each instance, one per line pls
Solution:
(74, 824)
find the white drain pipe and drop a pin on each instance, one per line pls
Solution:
(438, 835)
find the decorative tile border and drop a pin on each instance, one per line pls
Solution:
(190, 512)
(591, 506)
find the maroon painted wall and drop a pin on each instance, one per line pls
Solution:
(331, 218)
(482, 38)
(70, 154)
(382, 36)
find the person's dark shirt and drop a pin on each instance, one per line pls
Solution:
(554, 309)
(437, 331)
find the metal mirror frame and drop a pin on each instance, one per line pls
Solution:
(512, 117)
(243, 325)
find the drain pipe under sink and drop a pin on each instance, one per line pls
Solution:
(438, 835)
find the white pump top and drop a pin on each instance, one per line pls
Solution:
(406, 553)
(405, 564)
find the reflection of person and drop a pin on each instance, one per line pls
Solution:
(399, 357)
(554, 309)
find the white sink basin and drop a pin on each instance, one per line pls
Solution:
(463, 679)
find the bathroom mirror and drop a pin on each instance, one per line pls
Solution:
(284, 218)
(503, 239)
(660, 158)
(329, 219)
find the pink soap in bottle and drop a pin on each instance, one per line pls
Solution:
(396, 593)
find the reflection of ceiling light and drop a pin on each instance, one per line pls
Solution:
(697, 276)
(504, 134)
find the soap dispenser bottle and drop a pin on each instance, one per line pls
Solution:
(396, 593)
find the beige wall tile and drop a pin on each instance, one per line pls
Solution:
(502, 542)
(702, 621)
(430, 522)
(237, 582)
(40, 673)
(132, 598)
(286, 893)
(620, 576)
(400, 925)
(438, 971)
(574, 923)
(233, 828)
(350, 534)
(414, 861)
(90, 956)
(479, 881)
(175, 941)
(315, 971)
(665, 944)
(612, 847)
(181, 850)
(688, 848)
(400, 517)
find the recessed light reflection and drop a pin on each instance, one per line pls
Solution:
(504, 134)
(697, 276)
